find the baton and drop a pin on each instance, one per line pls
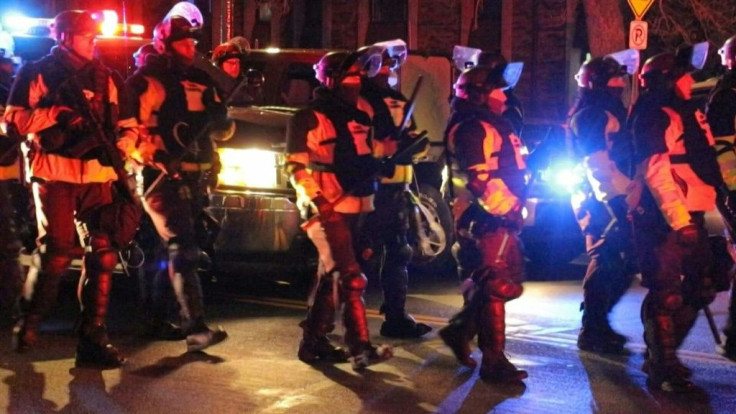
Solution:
(192, 143)
(420, 139)
(712, 324)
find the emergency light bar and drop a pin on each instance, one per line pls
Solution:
(19, 24)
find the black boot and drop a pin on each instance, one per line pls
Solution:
(461, 330)
(729, 348)
(162, 330)
(95, 350)
(663, 368)
(596, 334)
(367, 355)
(25, 333)
(492, 342)
(395, 284)
(454, 335)
(183, 260)
(201, 337)
(315, 349)
(315, 346)
(42, 280)
(363, 353)
(403, 326)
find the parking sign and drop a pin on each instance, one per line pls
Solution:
(638, 32)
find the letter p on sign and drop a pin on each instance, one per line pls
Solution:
(638, 32)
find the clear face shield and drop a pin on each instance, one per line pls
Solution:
(370, 61)
(188, 11)
(396, 51)
(465, 57)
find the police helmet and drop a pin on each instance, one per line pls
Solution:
(254, 78)
(491, 60)
(172, 29)
(333, 67)
(728, 53)
(74, 22)
(660, 71)
(595, 73)
(226, 51)
(145, 50)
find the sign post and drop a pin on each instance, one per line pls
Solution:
(638, 34)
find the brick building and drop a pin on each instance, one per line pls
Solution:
(538, 32)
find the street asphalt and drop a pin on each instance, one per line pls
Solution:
(256, 370)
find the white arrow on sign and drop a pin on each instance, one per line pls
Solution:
(638, 33)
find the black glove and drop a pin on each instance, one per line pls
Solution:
(688, 236)
(72, 122)
(386, 168)
(166, 163)
(404, 154)
(514, 218)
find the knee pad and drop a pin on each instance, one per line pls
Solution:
(98, 241)
(466, 254)
(55, 263)
(399, 254)
(502, 288)
(104, 260)
(668, 301)
(353, 282)
(495, 288)
(183, 257)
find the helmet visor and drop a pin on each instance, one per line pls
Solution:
(396, 51)
(465, 57)
(700, 54)
(188, 11)
(370, 61)
(629, 58)
(512, 73)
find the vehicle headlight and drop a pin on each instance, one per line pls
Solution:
(564, 177)
(248, 168)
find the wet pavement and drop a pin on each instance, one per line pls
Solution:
(256, 370)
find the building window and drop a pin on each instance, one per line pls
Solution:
(388, 11)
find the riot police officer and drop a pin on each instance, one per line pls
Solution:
(598, 123)
(140, 55)
(674, 185)
(55, 101)
(181, 114)
(487, 156)
(229, 57)
(514, 112)
(329, 159)
(12, 280)
(721, 114)
(386, 249)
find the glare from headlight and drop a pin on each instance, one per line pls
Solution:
(564, 177)
(248, 168)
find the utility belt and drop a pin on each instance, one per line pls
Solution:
(195, 175)
(321, 167)
(484, 223)
(10, 172)
(679, 159)
(195, 167)
(403, 174)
